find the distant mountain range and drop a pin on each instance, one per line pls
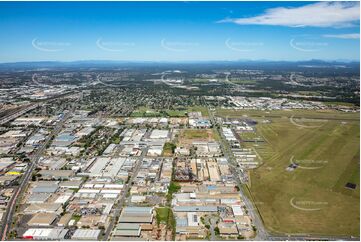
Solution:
(239, 64)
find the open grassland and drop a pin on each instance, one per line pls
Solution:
(242, 81)
(146, 112)
(312, 199)
(250, 136)
(197, 134)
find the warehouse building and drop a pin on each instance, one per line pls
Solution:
(42, 219)
(38, 197)
(127, 230)
(45, 234)
(45, 187)
(159, 134)
(86, 234)
(44, 208)
(228, 229)
(56, 174)
(65, 219)
(136, 215)
(195, 209)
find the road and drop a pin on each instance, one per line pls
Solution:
(18, 113)
(33, 78)
(262, 233)
(122, 199)
(10, 211)
(227, 81)
(212, 224)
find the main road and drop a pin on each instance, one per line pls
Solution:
(11, 208)
(17, 113)
(262, 233)
(122, 199)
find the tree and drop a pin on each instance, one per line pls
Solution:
(216, 230)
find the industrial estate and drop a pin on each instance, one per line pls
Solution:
(180, 121)
(144, 159)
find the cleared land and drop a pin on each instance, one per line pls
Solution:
(195, 134)
(312, 199)
(188, 136)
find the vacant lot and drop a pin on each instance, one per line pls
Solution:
(197, 134)
(168, 149)
(187, 136)
(312, 199)
(162, 215)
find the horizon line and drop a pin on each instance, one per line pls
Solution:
(182, 61)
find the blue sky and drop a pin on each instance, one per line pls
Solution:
(178, 31)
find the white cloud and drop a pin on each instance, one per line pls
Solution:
(342, 36)
(322, 14)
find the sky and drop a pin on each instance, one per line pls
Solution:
(179, 31)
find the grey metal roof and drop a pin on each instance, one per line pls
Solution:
(45, 189)
(128, 218)
(195, 209)
(129, 232)
(127, 226)
(38, 197)
(181, 222)
(137, 209)
(86, 234)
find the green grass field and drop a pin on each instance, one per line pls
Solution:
(196, 134)
(168, 149)
(162, 214)
(312, 199)
(250, 136)
(243, 82)
(146, 112)
(176, 113)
